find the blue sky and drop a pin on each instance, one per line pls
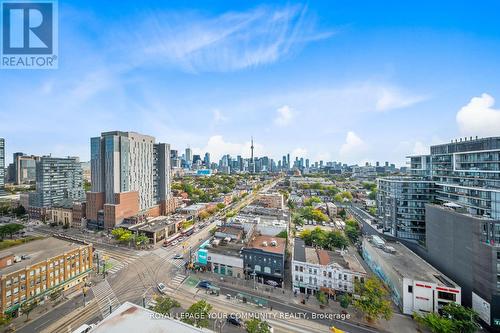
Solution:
(335, 80)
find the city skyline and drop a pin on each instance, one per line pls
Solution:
(359, 87)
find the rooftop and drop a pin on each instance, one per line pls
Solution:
(134, 318)
(38, 250)
(407, 263)
(308, 254)
(259, 241)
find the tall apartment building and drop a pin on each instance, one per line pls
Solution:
(464, 172)
(24, 168)
(462, 218)
(401, 205)
(58, 180)
(189, 157)
(2, 165)
(130, 176)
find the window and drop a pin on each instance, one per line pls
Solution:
(257, 268)
(410, 289)
(296, 268)
(446, 296)
(267, 270)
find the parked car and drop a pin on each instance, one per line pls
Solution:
(178, 256)
(204, 284)
(162, 288)
(272, 283)
(234, 319)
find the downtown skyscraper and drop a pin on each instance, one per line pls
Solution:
(130, 177)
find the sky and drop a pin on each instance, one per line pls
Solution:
(350, 81)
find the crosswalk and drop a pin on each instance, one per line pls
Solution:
(106, 298)
(117, 260)
(177, 281)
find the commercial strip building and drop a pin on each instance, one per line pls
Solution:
(415, 285)
(264, 258)
(52, 264)
(130, 317)
(159, 228)
(130, 177)
(315, 270)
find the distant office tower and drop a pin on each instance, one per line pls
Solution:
(24, 168)
(130, 178)
(283, 163)
(175, 161)
(2, 165)
(307, 163)
(288, 161)
(206, 160)
(58, 181)
(189, 157)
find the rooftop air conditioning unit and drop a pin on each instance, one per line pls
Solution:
(264, 243)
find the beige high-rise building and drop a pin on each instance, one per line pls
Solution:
(130, 176)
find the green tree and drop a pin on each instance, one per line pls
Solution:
(221, 206)
(27, 307)
(435, 323)
(335, 239)
(312, 200)
(282, 234)
(373, 194)
(19, 211)
(165, 304)
(454, 318)
(373, 300)
(122, 235)
(197, 314)
(372, 211)
(321, 297)
(345, 301)
(141, 240)
(10, 229)
(351, 233)
(256, 325)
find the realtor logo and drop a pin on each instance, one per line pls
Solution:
(29, 34)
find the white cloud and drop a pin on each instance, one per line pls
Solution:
(228, 42)
(392, 98)
(218, 117)
(479, 117)
(353, 148)
(284, 116)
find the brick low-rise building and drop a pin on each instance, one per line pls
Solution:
(52, 264)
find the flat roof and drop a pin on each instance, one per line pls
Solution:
(408, 264)
(299, 250)
(38, 250)
(257, 243)
(308, 254)
(130, 317)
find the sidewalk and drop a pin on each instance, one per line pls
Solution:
(43, 308)
(398, 323)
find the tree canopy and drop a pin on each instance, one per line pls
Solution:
(325, 239)
(454, 318)
(373, 300)
(165, 304)
(256, 325)
(197, 314)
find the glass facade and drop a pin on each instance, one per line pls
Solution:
(465, 172)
